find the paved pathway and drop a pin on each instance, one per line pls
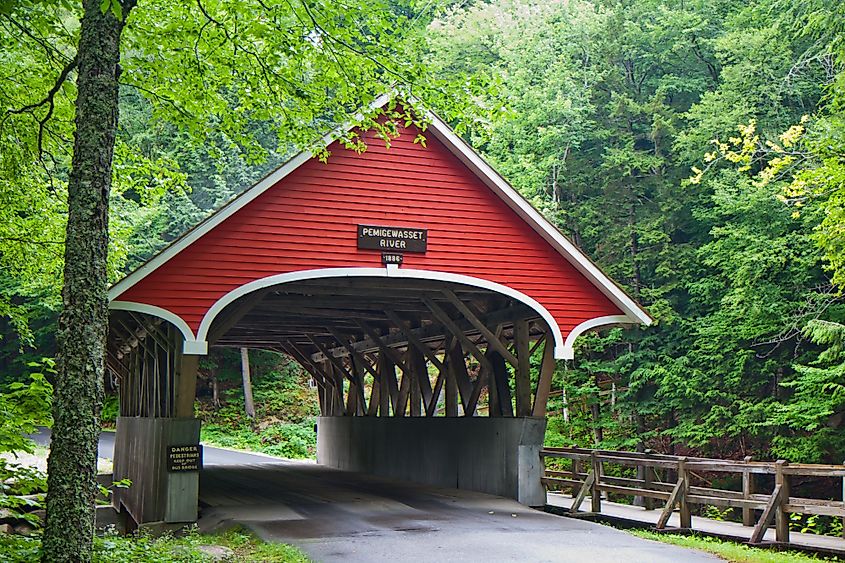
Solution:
(341, 516)
(729, 530)
(211, 456)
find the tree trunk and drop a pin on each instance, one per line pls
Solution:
(249, 405)
(215, 388)
(72, 465)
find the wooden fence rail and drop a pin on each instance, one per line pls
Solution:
(669, 479)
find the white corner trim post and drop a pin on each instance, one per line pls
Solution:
(569, 345)
(190, 346)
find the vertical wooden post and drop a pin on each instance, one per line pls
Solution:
(547, 370)
(576, 469)
(384, 367)
(499, 377)
(843, 503)
(747, 490)
(493, 406)
(451, 383)
(781, 516)
(186, 390)
(249, 404)
(522, 374)
(648, 476)
(415, 362)
(595, 494)
(683, 477)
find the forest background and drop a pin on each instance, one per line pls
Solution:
(695, 150)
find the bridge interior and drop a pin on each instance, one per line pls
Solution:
(459, 350)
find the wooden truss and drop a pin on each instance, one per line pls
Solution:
(389, 347)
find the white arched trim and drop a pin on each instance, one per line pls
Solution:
(161, 313)
(391, 271)
(569, 345)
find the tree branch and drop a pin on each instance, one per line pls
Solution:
(49, 101)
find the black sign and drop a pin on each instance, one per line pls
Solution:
(392, 239)
(391, 258)
(184, 458)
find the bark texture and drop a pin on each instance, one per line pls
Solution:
(72, 464)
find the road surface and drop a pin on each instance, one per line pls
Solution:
(211, 456)
(339, 516)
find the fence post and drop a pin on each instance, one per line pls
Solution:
(843, 503)
(595, 494)
(576, 466)
(747, 491)
(648, 473)
(781, 517)
(683, 476)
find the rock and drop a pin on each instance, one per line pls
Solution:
(6, 529)
(217, 552)
(24, 529)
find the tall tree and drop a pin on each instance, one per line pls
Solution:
(230, 69)
(72, 464)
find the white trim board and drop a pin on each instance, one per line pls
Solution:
(468, 157)
(159, 312)
(391, 271)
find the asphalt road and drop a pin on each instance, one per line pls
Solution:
(338, 516)
(211, 456)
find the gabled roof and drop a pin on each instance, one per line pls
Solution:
(472, 160)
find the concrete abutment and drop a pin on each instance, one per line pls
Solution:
(499, 456)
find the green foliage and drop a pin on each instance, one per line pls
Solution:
(24, 407)
(737, 553)
(113, 548)
(599, 111)
(291, 440)
(286, 407)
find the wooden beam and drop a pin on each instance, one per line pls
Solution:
(582, 492)
(404, 392)
(455, 331)
(457, 364)
(222, 326)
(332, 360)
(356, 356)
(522, 374)
(186, 389)
(412, 338)
(384, 348)
(500, 380)
(307, 364)
(431, 409)
(677, 492)
(451, 399)
(416, 363)
(768, 515)
(433, 332)
(544, 384)
(491, 338)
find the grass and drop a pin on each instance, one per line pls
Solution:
(730, 551)
(165, 549)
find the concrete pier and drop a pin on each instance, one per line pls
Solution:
(499, 456)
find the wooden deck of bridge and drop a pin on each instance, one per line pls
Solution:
(638, 516)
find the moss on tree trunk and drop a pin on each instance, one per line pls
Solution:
(83, 323)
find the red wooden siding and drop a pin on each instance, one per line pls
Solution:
(309, 221)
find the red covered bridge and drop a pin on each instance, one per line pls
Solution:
(417, 257)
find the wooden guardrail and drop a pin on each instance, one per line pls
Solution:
(670, 479)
